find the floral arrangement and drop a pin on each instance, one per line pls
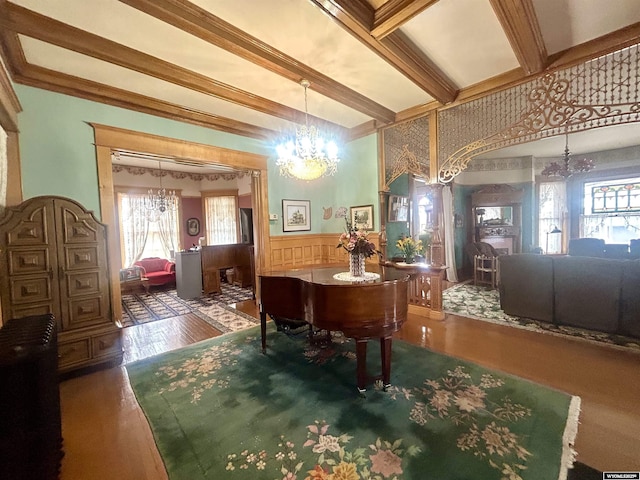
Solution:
(409, 248)
(355, 242)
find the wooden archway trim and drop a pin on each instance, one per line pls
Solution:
(108, 138)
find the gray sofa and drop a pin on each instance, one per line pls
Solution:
(594, 293)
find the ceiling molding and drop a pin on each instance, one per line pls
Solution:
(394, 13)
(9, 102)
(40, 27)
(395, 48)
(46, 79)
(197, 21)
(520, 24)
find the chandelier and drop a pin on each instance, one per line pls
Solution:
(311, 156)
(160, 201)
(568, 166)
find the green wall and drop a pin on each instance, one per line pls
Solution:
(58, 157)
(355, 183)
(56, 142)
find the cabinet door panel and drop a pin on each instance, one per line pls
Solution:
(84, 283)
(81, 257)
(82, 312)
(34, 260)
(32, 230)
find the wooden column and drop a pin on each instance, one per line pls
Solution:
(437, 249)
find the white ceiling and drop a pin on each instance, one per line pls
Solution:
(161, 54)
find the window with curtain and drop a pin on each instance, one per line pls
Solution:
(221, 218)
(552, 202)
(145, 234)
(611, 210)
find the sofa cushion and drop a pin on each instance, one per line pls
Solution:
(161, 277)
(526, 285)
(159, 271)
(630, 299)
(586, 247)
(587, 292)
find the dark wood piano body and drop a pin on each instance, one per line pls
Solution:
(237, 256)
(361, 310)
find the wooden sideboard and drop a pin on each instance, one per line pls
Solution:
(238, 256)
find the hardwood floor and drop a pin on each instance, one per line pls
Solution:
(106, 435)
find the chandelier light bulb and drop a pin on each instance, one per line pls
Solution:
(311, 156)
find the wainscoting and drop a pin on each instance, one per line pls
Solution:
(297, 251)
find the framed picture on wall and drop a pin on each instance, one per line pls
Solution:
(362, 217)
(193, 226)
(398, 208)
(296, 215)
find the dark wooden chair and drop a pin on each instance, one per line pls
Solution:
(484, 259)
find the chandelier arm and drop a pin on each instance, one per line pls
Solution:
(309, 156)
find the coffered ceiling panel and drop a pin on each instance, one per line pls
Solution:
(567, 23)
(464, 38)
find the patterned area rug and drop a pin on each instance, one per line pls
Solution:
(222, 409)
(483, 303)
(140, 308)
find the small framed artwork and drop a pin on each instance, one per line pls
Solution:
(193, 226)
(398, 208)
(362, 217)
(296, 215)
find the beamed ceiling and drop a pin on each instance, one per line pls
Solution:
(235, 65)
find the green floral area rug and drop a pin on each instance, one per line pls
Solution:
(221, 409)
(482, 303)
(140, 308)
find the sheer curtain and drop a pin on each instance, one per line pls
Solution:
(221, 220)
(134, 227)
(168, 232)
(449, 234)
(551, 208)
(145, 234)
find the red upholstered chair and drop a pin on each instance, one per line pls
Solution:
(159, 271)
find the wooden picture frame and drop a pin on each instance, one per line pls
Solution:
(398, 208)
(296, 215)
(193, 227)
(362, 217)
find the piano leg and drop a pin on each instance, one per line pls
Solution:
(361, 364)
(385, 355)
(263, 331)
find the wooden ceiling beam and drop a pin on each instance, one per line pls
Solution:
(40, 77)
(520, 24)
(394, 13)
(206, 26)
(395, 48)
(40, 27)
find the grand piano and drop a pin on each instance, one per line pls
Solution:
(373, 309)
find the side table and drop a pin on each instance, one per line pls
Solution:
(137, 285)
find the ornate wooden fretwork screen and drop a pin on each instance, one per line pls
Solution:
(601, 92)
(406, 150)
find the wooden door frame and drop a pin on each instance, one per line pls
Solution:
(108, 139)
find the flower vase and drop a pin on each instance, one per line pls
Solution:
(409, 259)
(356, 264)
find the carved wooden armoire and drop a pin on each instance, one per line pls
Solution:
(53, 259)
